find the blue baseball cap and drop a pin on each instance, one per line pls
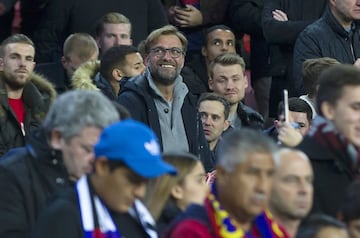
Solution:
(134, 144)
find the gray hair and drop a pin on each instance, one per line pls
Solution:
(238, 143)
(74, 110)
(286, 150)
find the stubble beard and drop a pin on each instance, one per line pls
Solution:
(15, 83)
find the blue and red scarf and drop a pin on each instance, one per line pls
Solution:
(224, 226)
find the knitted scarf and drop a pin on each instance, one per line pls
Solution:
(324, 132)
(96, 219)
(263, 227)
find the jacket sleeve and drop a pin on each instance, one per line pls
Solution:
(59, 220)
(134, 105)
(13, 219)
(306, 47)
(245, 16)
(274, 30)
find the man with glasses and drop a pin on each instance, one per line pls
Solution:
(160, 99)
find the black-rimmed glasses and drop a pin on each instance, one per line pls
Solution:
(161, 51)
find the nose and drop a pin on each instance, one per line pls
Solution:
(304, 187)
(263, 183)
(117, 40)
(225, 47)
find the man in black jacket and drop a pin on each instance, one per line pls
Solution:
(283, 21)
(227, 78)
(333, 143)
(335, 35)
(160, 99)
(56, 156)
(127, 156)
(25, 97)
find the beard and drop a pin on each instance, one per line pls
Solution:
(163, 76)
(15, 82)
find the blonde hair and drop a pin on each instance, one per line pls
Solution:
(159, 189)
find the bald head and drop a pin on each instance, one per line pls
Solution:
(292, 191)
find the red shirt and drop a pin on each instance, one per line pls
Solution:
(18, 106)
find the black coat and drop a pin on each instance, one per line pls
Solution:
(332, 175)
(325, 38)
(137, 98)
(281, 35)
(37, 96)
(29, 177)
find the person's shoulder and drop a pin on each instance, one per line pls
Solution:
(190, 228)
(15, 160)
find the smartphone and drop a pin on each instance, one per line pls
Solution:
(286, 105)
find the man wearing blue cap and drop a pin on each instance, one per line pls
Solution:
(106, 203)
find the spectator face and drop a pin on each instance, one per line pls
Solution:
(114, 34)
(332, 232)
(134, 65)
(120, 187)
(17, 64)
(292, 190)
(229, 81)
(301, 119)
(78, 152)
(166, 59)
(72, 62)
(213, 121)
(354, 228)
(244, 191)
(345, 114)
(218, 42)
(193, 188)
(346, 10)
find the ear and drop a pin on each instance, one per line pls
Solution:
(327, 110)
(211, 83)
(246, 83)
(226, 125)
(221, 175)
(56, 139)
(177, 192)
(203, 51)
(117, 74)
(63, 61)
(102, 166)
(97, 39)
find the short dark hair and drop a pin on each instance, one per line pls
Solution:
(216, 97)
(297, 105)
(214, 28)
(351, 205)
(312, 68)
(115, 57)
(332, 82)
(313, 225)
(16, 38)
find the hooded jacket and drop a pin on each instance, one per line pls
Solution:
(137, 97)
(38, 95)
(87, 76)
